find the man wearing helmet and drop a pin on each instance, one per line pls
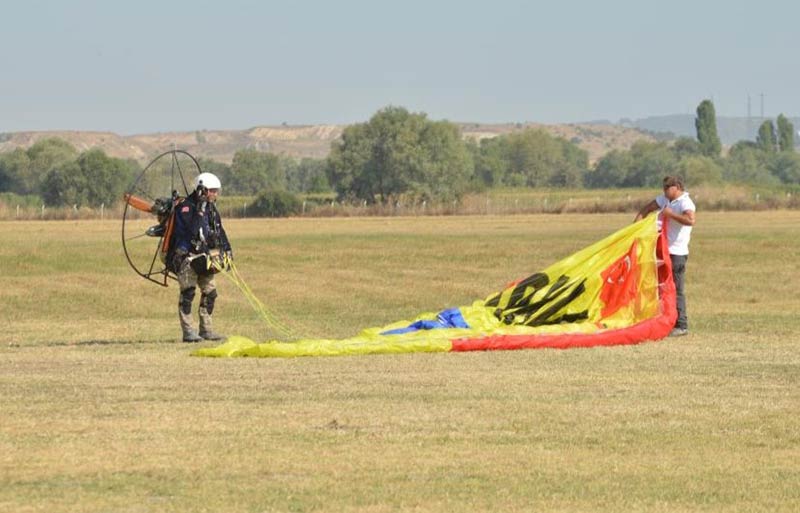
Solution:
(198, 238)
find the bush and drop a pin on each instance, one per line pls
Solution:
(698, 169)
(12, 200)
(275, 203)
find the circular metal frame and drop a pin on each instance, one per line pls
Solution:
(153, 269)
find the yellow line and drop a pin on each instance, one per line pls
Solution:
(228, 269)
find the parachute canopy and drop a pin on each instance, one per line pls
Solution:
(616, 291)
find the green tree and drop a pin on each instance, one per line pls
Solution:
(786, 167)
(275, 203)
(347, 162)
(491, 161)
(64, 185)
(747, 163)
(397, 152)
(447, 164)
(5, 178)
(644, 165)
(45, 155)
(651, 162)
(571, 169)
(91, 180)
(105, 177)
(308, 175)
(253, 171)
(15, 171)
(706, 125)
(531, 158)
(611, 170)
(686, 147)
(767, 139)
(698, 169)
(395, 158)
(24, 169)
(532, 155)
(785, 134)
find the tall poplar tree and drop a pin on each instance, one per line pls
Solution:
(706, 125)
(785, 134)
(766, 139)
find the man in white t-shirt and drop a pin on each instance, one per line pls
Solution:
(676, 206)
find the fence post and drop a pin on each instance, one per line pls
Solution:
(42, 210)
(17, 211)
(102, 211)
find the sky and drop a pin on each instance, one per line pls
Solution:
(159, 66)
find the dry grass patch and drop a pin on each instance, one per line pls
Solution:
(103, 411)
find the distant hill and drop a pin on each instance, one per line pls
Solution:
(730, 129)
(300, 141)
(220, 145)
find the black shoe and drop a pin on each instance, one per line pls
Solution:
(679, 332)
(191, 337)
(210, 335)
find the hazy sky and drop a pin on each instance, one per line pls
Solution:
(153, 66)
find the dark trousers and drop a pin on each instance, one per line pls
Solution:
(679, 277)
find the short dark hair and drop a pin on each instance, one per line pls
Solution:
(669, 181)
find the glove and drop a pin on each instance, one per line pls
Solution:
(228, 259)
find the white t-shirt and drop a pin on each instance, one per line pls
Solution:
(678, 234)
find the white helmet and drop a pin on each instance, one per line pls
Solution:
(207, 180)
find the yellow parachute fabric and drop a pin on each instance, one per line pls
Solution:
(607, 293)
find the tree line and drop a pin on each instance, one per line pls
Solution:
(58, 174)
(401, 154)
(769, 160)
(53, 171)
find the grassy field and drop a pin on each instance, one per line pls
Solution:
(102, 409)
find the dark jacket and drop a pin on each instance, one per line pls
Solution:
(198, 227)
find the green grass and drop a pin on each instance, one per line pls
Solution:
(103, 410)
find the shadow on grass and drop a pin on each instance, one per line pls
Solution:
(65, 343)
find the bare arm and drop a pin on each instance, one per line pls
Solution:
(650, 207)
(687, 218)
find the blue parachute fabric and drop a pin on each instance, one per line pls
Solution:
(450, 318)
